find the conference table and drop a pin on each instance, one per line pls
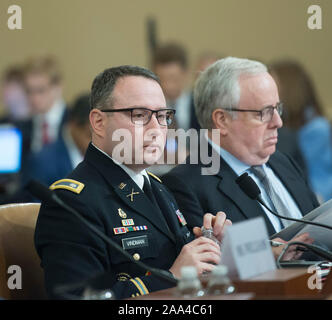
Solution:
(288, 283)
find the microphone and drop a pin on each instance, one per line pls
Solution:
(250, 188)
(42, 192)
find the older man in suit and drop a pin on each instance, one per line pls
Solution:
(239, 99)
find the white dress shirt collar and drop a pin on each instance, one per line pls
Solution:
(137, 177)
(53, 119)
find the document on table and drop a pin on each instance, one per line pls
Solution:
(322, 214)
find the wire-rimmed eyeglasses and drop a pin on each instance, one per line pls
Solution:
(142, 116)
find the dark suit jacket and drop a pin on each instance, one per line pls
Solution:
(197, 194)
(193, 119)
(288, 143)
(48, 165)
(71, 253)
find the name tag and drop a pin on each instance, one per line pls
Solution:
(135, 242)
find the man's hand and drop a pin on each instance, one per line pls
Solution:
(201, 253)
(217, 222)
(292, 252)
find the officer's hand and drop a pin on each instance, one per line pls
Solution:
(217, 222)
(201, 253)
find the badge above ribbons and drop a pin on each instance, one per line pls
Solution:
(122, 214)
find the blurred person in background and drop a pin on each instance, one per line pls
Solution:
(14, 100)
(59, 158)
(170, 64)
(43, 85)
(305, 115)
(204, 60)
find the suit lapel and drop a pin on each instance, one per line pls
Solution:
(126, 189)
(249, 208)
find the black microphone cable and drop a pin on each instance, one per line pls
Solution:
(250, 188)
(315, 249)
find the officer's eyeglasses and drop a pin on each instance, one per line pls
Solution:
(142, 116)
(266, 114)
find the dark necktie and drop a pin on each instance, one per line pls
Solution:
(147, 188)
(148, 191)
(45, 136)
(278, 204)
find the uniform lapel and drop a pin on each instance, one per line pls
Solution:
(126, 189)
(143, 206)
(166, 205)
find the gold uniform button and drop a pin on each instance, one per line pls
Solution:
(136, 256)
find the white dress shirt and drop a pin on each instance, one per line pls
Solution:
(53, 118)
(136, 176)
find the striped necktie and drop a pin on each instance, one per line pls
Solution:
(277, 203)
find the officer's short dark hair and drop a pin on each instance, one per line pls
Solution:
(170, 53)
(104, 83)
(79, 112)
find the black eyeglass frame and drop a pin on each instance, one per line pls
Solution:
(279, 107)
(142, 108)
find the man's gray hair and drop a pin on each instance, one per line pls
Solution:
(218, 87)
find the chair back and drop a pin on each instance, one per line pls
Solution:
(17, 227)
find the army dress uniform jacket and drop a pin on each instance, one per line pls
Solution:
(110, 200)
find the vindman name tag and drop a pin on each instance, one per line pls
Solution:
(135, 242)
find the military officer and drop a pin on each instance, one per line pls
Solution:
(118, 196)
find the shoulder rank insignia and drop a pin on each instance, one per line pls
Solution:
(154, 176)
(68, 184)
